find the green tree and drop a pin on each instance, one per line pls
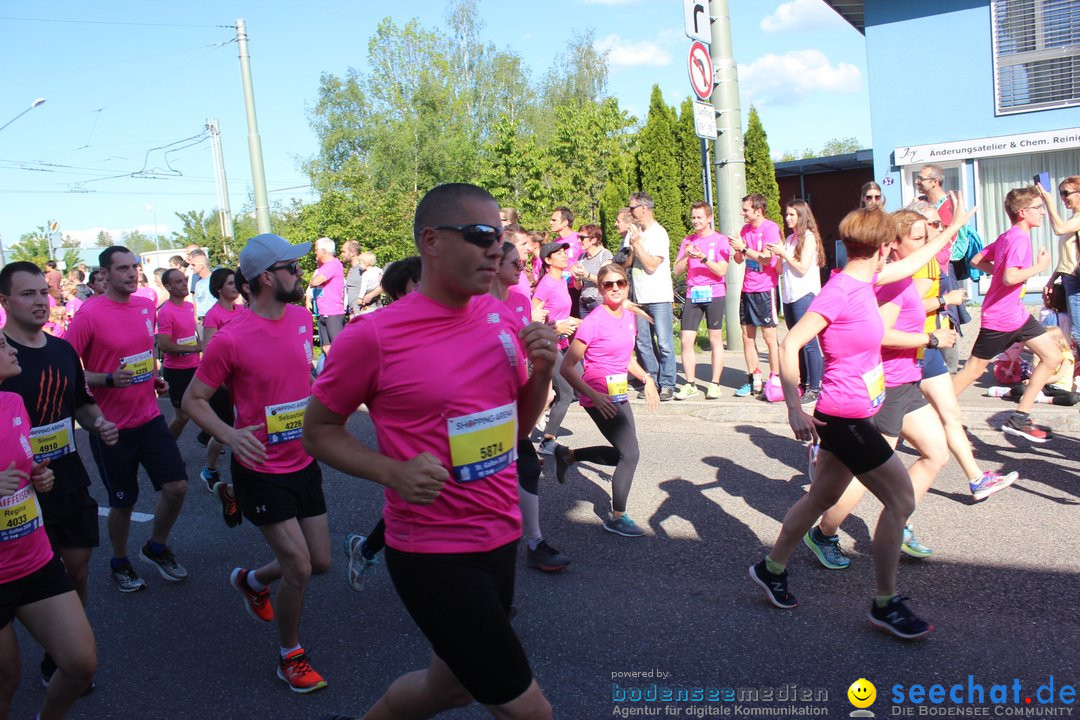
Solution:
(35, 247)
(104, 239)
(659, 168)
(760, 173)
(690, 182)
(841, 146)
(512, 168)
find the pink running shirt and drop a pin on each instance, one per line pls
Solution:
(575, 251)
(24, 546)
(609, 342)
(760, 278)
(853, 385)
(717, 248)
(267, 367)
(520, 306)
(447, 383)
(332, 300)
(108, 334)
(900, 363)
(178, 322)
(556, 298)
(1003, 307)
(217, 317)
(148, 293)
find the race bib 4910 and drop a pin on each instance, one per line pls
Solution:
(49, 442)
(483, 443)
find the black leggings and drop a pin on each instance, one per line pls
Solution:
(376, 540)
(528, 466)
(623, 452)
(1057, 395)
(564, 394)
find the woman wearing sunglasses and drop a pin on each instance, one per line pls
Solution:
(595, 257)
(871, 195)
(1068, 267)
(551, 303)
(605, 345)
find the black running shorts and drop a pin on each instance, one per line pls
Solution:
(854, 441)
(899, 401)
(266, 498)
(991, 343)
(150, 445)
(461, 602)
(71, 519)
(51, 580)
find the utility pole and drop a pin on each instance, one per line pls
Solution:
(728, 156)
(258, 175)
(224, 211)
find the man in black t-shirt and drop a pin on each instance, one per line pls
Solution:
(53, 388)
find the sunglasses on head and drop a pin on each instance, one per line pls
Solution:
(476, 234)
(293, 267)
(1066, 193)
(936, 224)
(612, 284)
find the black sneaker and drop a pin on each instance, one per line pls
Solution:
(546, 558)
(898, 619)
(126, 579)
(775, 586)
(562, 462)
(165, 562)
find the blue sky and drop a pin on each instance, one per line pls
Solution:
(129, 86)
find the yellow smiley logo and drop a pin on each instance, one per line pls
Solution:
(862, 693)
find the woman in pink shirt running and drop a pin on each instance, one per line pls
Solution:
(845, 316)
(605, 345)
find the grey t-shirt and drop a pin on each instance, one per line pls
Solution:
(352, 287)
(592, 267)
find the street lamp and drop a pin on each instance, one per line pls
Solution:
(39, 101)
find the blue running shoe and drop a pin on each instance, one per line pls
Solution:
(210, 477)
(359, 565)
(744, 390)
(623, 525)
(826, 549)
(911, 545)
(898, 619)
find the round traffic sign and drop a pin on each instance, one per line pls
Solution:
(700, 66)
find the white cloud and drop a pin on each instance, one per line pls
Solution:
(623, 53)
(799, 15)
(784, 79)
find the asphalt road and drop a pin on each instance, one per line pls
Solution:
(714, 482)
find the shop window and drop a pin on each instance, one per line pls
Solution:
(1036, 54)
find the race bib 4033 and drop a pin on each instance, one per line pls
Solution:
(285, 421)
(142, 364)
(20, 514)
(49, 442)
(483, 443)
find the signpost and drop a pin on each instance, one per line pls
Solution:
(696, 19)
(700, 67)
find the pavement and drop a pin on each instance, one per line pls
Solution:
(670, 612)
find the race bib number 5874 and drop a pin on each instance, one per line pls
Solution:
(483, 443)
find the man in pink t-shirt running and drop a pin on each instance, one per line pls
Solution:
(264, 357)
(114, 336)
(447, 454)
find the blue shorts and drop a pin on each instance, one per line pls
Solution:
(933, 364)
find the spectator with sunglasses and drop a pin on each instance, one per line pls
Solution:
(447, 451)
(604, 344)
(650, 263)
(1068, 232)
(595, 257)
(552, 303)
(871, 194)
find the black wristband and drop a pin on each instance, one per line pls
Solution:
(109, 381)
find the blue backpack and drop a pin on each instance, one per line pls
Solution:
(968, 244)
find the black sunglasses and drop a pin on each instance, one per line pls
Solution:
(479, 235)
(293, 267)
(612, 284)
(1066, 193)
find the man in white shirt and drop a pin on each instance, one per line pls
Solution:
(653, 291)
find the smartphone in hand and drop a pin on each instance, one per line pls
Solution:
(1043, 179)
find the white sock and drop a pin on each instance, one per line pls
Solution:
(530, 517)
(285, 651)
(253, 582)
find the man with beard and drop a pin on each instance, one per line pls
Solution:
(264, 357)
(114, 336)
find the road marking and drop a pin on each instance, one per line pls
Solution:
(135, 516)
